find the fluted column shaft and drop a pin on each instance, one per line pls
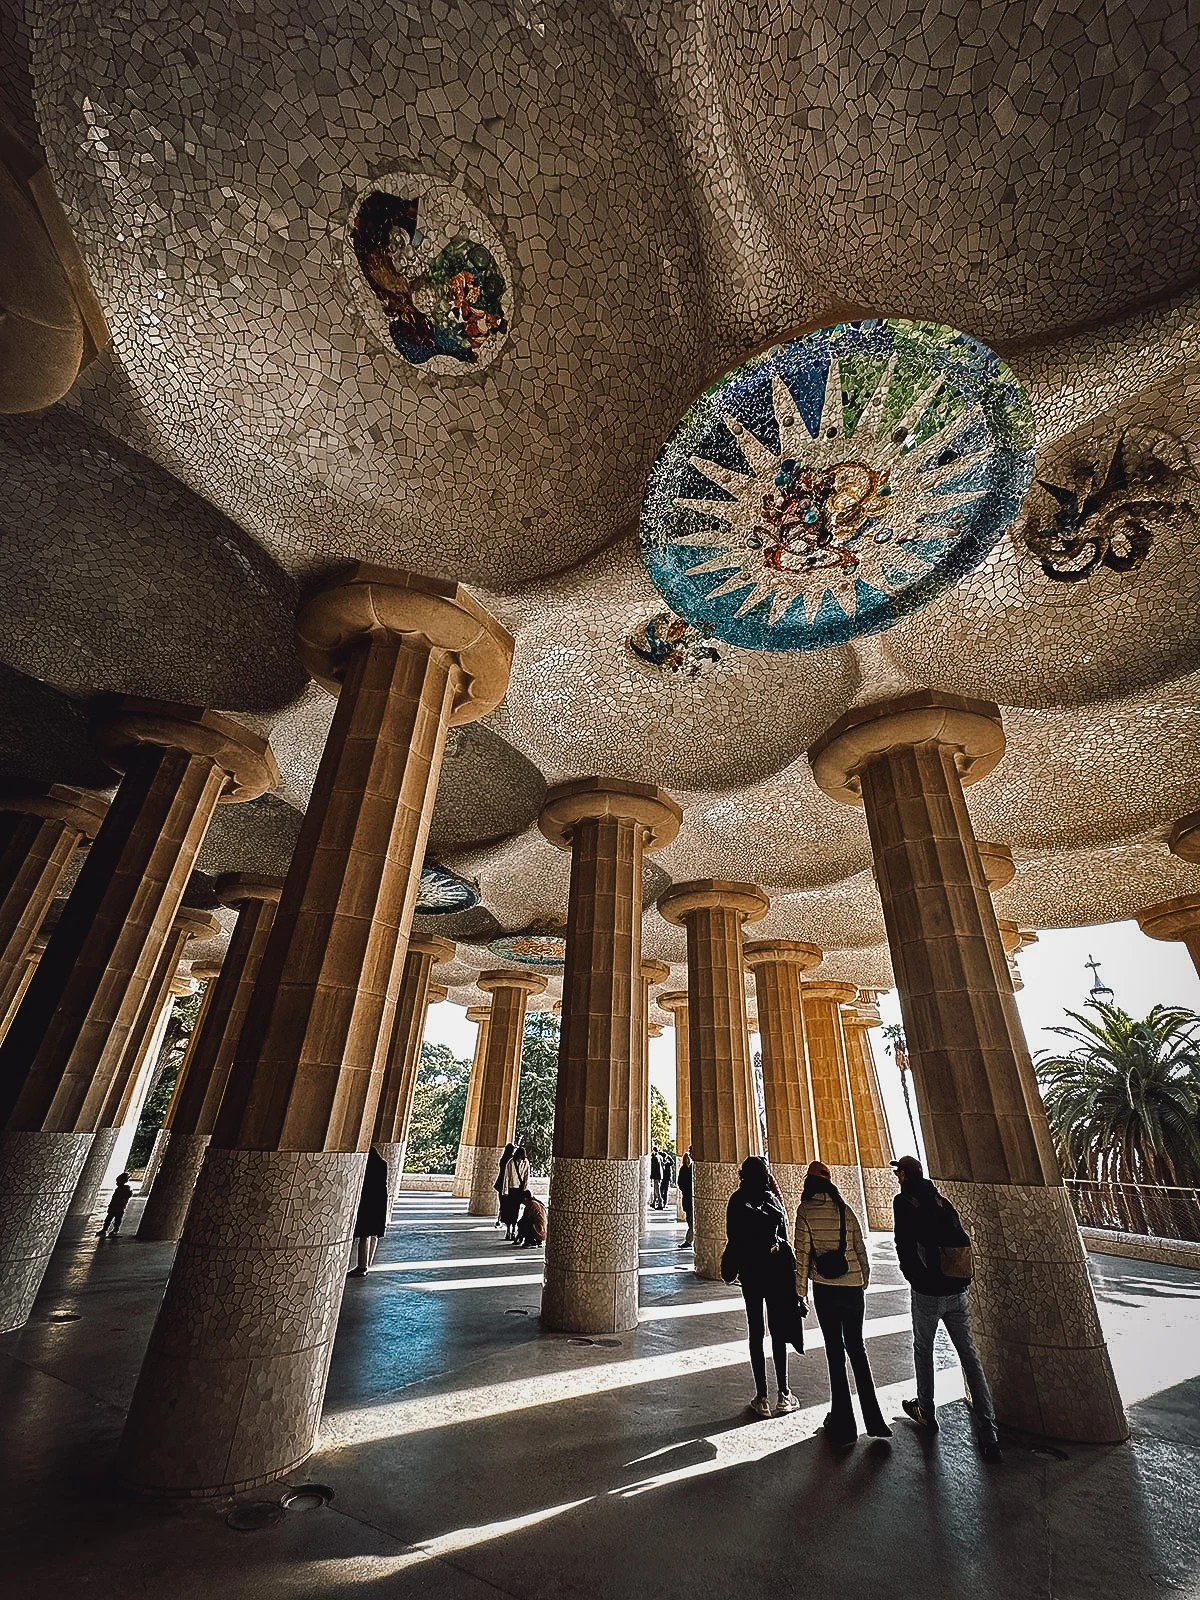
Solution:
(829, 1071)
(870, 1123)
(787, 1087)
(406, 655)
(501, 1081)
(675, 1002)
(404, 1053)
(464, 1166)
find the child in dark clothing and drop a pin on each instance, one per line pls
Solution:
(116, 1206)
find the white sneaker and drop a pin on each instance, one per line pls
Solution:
(787, 1402)
(760, 1406)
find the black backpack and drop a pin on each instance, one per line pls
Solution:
(947, 1248)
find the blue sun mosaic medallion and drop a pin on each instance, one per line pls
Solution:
(837, 483)
(443, 891)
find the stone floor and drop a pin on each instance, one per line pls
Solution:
(470, 1457)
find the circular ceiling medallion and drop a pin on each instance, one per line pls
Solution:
(837, 483)
(537, 946)
(443, 891)
(429, 274)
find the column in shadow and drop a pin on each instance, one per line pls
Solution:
(464, 1166)
(404, 1052)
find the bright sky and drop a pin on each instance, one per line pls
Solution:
(1142, 972)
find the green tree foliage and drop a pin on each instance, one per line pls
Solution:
(439, 1106)
(660, 1120)
(1124, 1102)
(163, 1079)
(539, 1082)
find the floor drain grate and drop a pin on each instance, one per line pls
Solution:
(306, 1497)
(516, 1311)
(63, 1316)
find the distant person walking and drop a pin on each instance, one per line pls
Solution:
(668, 1176)
(498, 1185)
(687, 1173)
(515, 1183)
(759, 1256)
(372, 1216)
(934, 1251)
(830, 1251)
(656, 1172)
(116, 1205)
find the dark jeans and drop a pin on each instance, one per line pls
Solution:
(840, 1311)
(755, 1299)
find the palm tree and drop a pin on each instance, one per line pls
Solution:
(1124, 1103)
(894, 1034)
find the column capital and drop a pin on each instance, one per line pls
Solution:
(862, 1015)
(1172, 919)
(655, 971)
(998, 865)
(567, 804)
(432, 944)
(674, 1000)
(369, 602)
(435, 992)
(1010, 936)
(827, 989)
(235, 888)
(790, 952)
(479, 1013)
(707, 894)
(971, 728)
(1184, 838)
(196, 924)
(654, 1030)
(507, 978)
(206, 971)
(57, 802)
(121, 722)
(183, 984)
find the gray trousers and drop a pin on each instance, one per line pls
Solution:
(951, 1309)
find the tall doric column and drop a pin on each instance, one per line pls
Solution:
(596, 1181)
(230, 1391)
(39, 835)
(870, 1123)
(464, 1167)
(674, 1002)
(787, 1090)
(404, 1052)
(837, 1138)
(724, 1117)
(650, 973)
(1177, 921)
(985, 1129)
(192, 1114)
(156, 999)
(64, 1043)
(501, 1082)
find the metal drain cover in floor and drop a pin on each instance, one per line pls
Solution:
(252, 1515)
(607, 1344)
(306, 1497)
(63, 1316)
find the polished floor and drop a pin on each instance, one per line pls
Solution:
(472, 1457)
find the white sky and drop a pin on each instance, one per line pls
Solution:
(1142, 971)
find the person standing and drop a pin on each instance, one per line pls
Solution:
(498, 1185)
(830, 1250)
(371, 1220)
(655, 1180)
(758, 1254)
(515, 1183)
(668, 1172)
(116, 1205)
(934, 1251)
(686, 1174)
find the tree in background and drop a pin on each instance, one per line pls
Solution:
(898, 1048)
(660, 1120)
(164, 1078)
(439, 1107)
(539, 1082)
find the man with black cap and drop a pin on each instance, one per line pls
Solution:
(934, 1250)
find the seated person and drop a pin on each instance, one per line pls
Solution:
(531, 1227)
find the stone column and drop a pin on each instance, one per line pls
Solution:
(989, 1146)
(787, 1089)
(833, 1108)
(230, 1391)
(464, 1167)
(501, 1082)
(192, 1114)
(26, 978)
(1177, 921)
(870, 1123)
(63, 1045)
(724, 1117)
(674, 1001)
(404, 1052)
(157, 999)
(650, 973)
(596, 1185)
(41, 834)
(207, 973)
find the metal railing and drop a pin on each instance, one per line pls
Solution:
(1158, 1210)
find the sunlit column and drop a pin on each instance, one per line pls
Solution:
(870, 1123)
(417, 994)
(650, 973)
(674, 1002)
(501, 1083)
(787, 1090)
(464, 1167)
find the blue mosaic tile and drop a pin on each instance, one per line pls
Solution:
(443, 891)
(837, 483)
(539, 946)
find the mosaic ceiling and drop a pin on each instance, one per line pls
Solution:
(437, 285)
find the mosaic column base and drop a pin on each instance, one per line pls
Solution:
(849, 1182)
(714, 1182)
(592, 1246)
(91, 1179)
(167, 1208)
(38, 1175)
(485, 1202)
(879, 1184)
(393, 1154)
(161, 1140)
(230, 1391)
(1034, 1315)
(789, 1175)
(464, 1172)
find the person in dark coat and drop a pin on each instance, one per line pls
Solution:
(664, 1183)
(505, 1157)
(655, 1180)
(687, 1173)
(371, 1220)
(758, 1253)
(116, 1206)
(531, 1229)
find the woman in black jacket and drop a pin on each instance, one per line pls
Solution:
(758, 1254)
